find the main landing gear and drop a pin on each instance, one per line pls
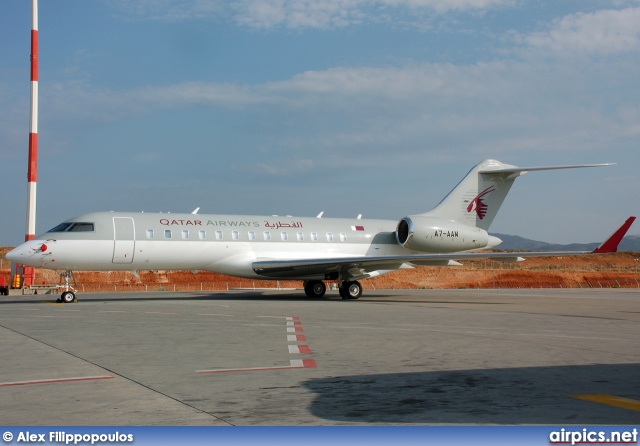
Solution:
(68, 295)
(314, 288)
(348, 290)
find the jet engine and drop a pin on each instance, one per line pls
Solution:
(435, 235)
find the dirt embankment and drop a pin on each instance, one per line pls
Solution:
(606, 271)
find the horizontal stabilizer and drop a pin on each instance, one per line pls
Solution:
(523, 170)
(611, 244)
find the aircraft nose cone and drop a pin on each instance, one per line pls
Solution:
(15, 254)
(24, 253)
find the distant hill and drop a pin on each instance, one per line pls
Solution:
(629, 243)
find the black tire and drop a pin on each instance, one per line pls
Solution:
(315, 288)
(352, 290)
(68, 297)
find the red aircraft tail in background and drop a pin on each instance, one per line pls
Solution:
(611, 244)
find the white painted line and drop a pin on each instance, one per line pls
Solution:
(216, 314)
(295, 364)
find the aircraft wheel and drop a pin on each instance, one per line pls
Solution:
(351, 290)
(315, 288)
(68, 297)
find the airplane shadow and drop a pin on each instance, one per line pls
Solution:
(529, 395)
(183, 296)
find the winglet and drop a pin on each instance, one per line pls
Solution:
(611, 244)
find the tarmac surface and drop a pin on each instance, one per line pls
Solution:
(278, 358)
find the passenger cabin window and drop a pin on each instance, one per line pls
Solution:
(149, 233)
(202, 235)
(314, 236)
(300, 236)
(74, 227)
(343, 237)
(218, 235)
(185, 234)
(284, 236)
(252, 235)
(267, 235)
(235, 235)
(167, 233)
(329, 236)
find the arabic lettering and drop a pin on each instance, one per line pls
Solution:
(279, 224)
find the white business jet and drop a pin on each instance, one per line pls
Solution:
(302, 248)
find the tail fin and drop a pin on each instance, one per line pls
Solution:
(475, 201)
(611, 244)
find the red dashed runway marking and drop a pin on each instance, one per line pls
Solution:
(296, 349)
(296, 338)
(293, 326)
(54, 381)
(299, 349)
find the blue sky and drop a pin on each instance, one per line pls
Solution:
(374, 107)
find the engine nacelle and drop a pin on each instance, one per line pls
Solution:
(431, 234)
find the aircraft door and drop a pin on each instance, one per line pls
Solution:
(124, 239)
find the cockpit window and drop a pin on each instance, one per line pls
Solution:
(62, 227)
(74, 227)
(81, 227)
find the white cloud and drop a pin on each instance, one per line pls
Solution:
(297, 14)
(324, 14)
(606, 32)
(171, 10)
(485, 107)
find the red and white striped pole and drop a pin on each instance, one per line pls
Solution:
(28, 272)
(32, 171)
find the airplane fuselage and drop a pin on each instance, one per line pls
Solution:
(227, 244)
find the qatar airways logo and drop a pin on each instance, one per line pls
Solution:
(478, 205)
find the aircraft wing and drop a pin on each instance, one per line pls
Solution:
(363, 267)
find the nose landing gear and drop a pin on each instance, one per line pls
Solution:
(68, 295)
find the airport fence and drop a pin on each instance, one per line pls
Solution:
(296, 285)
